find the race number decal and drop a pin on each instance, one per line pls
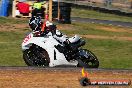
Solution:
(26, 38)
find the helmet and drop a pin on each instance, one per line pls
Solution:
(35, 23)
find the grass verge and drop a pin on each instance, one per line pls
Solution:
(112, 53)
(10, 49)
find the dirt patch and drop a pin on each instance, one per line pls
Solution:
(55, 78)
(65, 27)
(19, 27)
(107, 37)
(13, 27)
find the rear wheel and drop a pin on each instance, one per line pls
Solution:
(36, 57)
(89, 59)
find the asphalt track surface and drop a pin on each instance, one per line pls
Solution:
(62, 68)
(108, 22)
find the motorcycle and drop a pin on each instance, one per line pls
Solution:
(47, 51)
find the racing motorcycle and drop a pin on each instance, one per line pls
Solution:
(47, 51)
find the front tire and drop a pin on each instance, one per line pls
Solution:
(89, 59)
(34, 57)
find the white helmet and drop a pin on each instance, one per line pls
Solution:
(50, 26)
(48, 23)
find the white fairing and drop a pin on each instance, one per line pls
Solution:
(48, 43)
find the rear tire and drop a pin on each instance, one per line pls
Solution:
(31, 58)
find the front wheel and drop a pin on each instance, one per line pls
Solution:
(36, 57)
(88, 59)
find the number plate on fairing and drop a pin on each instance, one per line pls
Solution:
(27, 38)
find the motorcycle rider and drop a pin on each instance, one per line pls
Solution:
(36, 25)
(47, 28)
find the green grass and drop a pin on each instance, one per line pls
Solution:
(10, 49)
(10, 43)
(11, 55)
(4, 20)
(98, 15)
(111, 53)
